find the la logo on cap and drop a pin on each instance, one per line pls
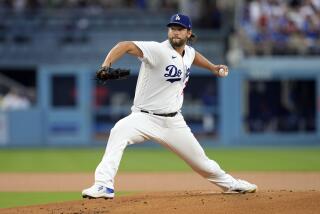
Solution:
(177, 17)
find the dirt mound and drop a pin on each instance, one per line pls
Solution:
(188, 202)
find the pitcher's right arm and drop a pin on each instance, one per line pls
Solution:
(119, 50)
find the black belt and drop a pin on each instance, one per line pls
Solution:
(162, 115)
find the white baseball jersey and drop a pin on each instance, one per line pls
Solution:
(162, 77)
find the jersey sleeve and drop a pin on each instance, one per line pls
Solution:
(192, 53)
(149, 50)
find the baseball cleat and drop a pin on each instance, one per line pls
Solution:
(242, 186)
(98, 191)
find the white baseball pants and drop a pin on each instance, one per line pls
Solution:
(171, 132)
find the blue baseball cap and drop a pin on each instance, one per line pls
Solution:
(180, 19)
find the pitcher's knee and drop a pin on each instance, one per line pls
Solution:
(124, 132)
(117, 130)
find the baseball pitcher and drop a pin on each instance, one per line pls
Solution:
(156, 114)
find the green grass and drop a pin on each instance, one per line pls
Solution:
(269, 159)
(159, 160)
(15, 199)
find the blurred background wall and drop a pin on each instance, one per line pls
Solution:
(50, 50)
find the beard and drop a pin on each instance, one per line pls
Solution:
(177, 43)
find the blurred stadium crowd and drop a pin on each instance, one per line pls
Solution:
(206, 13)
(281, 27)
(75, 21)
(22, 5)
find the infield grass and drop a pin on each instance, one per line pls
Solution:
(159, 160)
(15, 199)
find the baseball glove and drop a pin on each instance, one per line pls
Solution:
(106, 73)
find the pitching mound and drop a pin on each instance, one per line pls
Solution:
(188, 202)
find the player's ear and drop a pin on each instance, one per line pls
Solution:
(189, 34)
(192, 38)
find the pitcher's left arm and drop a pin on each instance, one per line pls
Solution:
(201, 61)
